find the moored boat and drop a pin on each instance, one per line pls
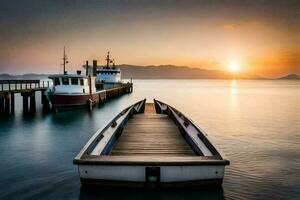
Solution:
(150, 144)
(107, 76)
(73, 90)
(108, 73)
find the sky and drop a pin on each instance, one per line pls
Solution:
(259, 36)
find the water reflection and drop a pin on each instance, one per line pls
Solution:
(70, 117)
(172, 194)
(233, 93)
(255, 123)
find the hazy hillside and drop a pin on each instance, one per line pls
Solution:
(176, 72)
(290, 77)
(157, 72)
(24, 76)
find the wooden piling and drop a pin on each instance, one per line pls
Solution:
(45, 102)
(32, 102)
(7, 103)
(43, 97)
(12, 102)
(1, 103)
(25, 104)
(25, 101)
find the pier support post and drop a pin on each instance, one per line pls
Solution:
(32, 102)
(45, 102)
(100, 102)
(12, 102)
(1, 103)
(43, 97)
(25, 101)
(7, 103)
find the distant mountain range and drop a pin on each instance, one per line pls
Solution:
(24, 76)
(177, 72)
(163, 72)
(290, 77)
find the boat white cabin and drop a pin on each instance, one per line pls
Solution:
(109, 73)
(72, 84)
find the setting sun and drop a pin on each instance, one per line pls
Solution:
(233, 67)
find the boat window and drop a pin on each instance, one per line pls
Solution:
(65, 81)
(74, 81)
(56, 81)
(81, 82)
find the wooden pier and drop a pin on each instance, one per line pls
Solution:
(117, 91)
(27, 89)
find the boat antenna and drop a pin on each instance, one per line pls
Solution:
(65, 59)
(107, 60)
(113, 62)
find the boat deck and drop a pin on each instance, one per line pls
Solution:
(151, 134)
(150, 150)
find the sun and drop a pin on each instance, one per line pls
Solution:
(233, 67)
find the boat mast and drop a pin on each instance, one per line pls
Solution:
(113, 63)
(107, 59)
(65, 59)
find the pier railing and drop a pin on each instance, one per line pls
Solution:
(23, 85)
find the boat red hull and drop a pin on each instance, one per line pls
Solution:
(62, 101)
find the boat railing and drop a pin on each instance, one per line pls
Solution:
(136, 108)
(164, 108)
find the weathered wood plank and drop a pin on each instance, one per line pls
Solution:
(149, 108)
(151, 134)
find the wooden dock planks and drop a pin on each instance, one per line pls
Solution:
(151, 134)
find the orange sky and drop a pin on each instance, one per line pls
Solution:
(262, 37)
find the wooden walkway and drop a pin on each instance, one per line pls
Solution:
(18, 86)
(151, 134)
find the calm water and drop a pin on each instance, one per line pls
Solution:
(256, 124)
